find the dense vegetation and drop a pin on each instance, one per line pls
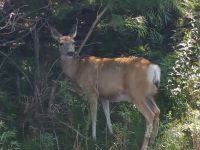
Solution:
(39, 109)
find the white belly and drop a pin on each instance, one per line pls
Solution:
(120, 97)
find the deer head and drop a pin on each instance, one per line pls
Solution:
(66, 47)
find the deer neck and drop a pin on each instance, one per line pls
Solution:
(70, 66)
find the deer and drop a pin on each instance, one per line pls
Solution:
(131, 79)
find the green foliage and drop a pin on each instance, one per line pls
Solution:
(181, 79)
(63, 11)
(173, 138)
(47, 141)
(129, 26)
(180, 134)
(44, 141)
(8, 138)
(41, 111)
(185, 71)
(183, 6)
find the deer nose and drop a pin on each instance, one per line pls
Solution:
(70, 53)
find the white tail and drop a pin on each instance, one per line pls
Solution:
(131, 79)
(154, 74)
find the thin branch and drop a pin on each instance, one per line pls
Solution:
(3, 61)
(93, 43)
(92, 28)
(15, 40)
(31, 28)
(17, 9)
(77, 132)
(15, 64)
(76, 142)
(56, 138)
(37, 73)
(12, 21)
(52, 93)
(53, 64)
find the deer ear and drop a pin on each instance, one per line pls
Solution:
(55, 34)
(74, 31)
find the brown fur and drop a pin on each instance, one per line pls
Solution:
(108, 76)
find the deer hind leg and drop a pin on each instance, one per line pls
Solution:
(156, 110)
(106, 109)
(149, 117)
(93, 111)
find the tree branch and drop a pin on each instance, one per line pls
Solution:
(15, 64)
(92, 28)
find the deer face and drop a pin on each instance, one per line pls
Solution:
(67, 47)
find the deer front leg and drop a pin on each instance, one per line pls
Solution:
(93, 112)
(106, 109)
